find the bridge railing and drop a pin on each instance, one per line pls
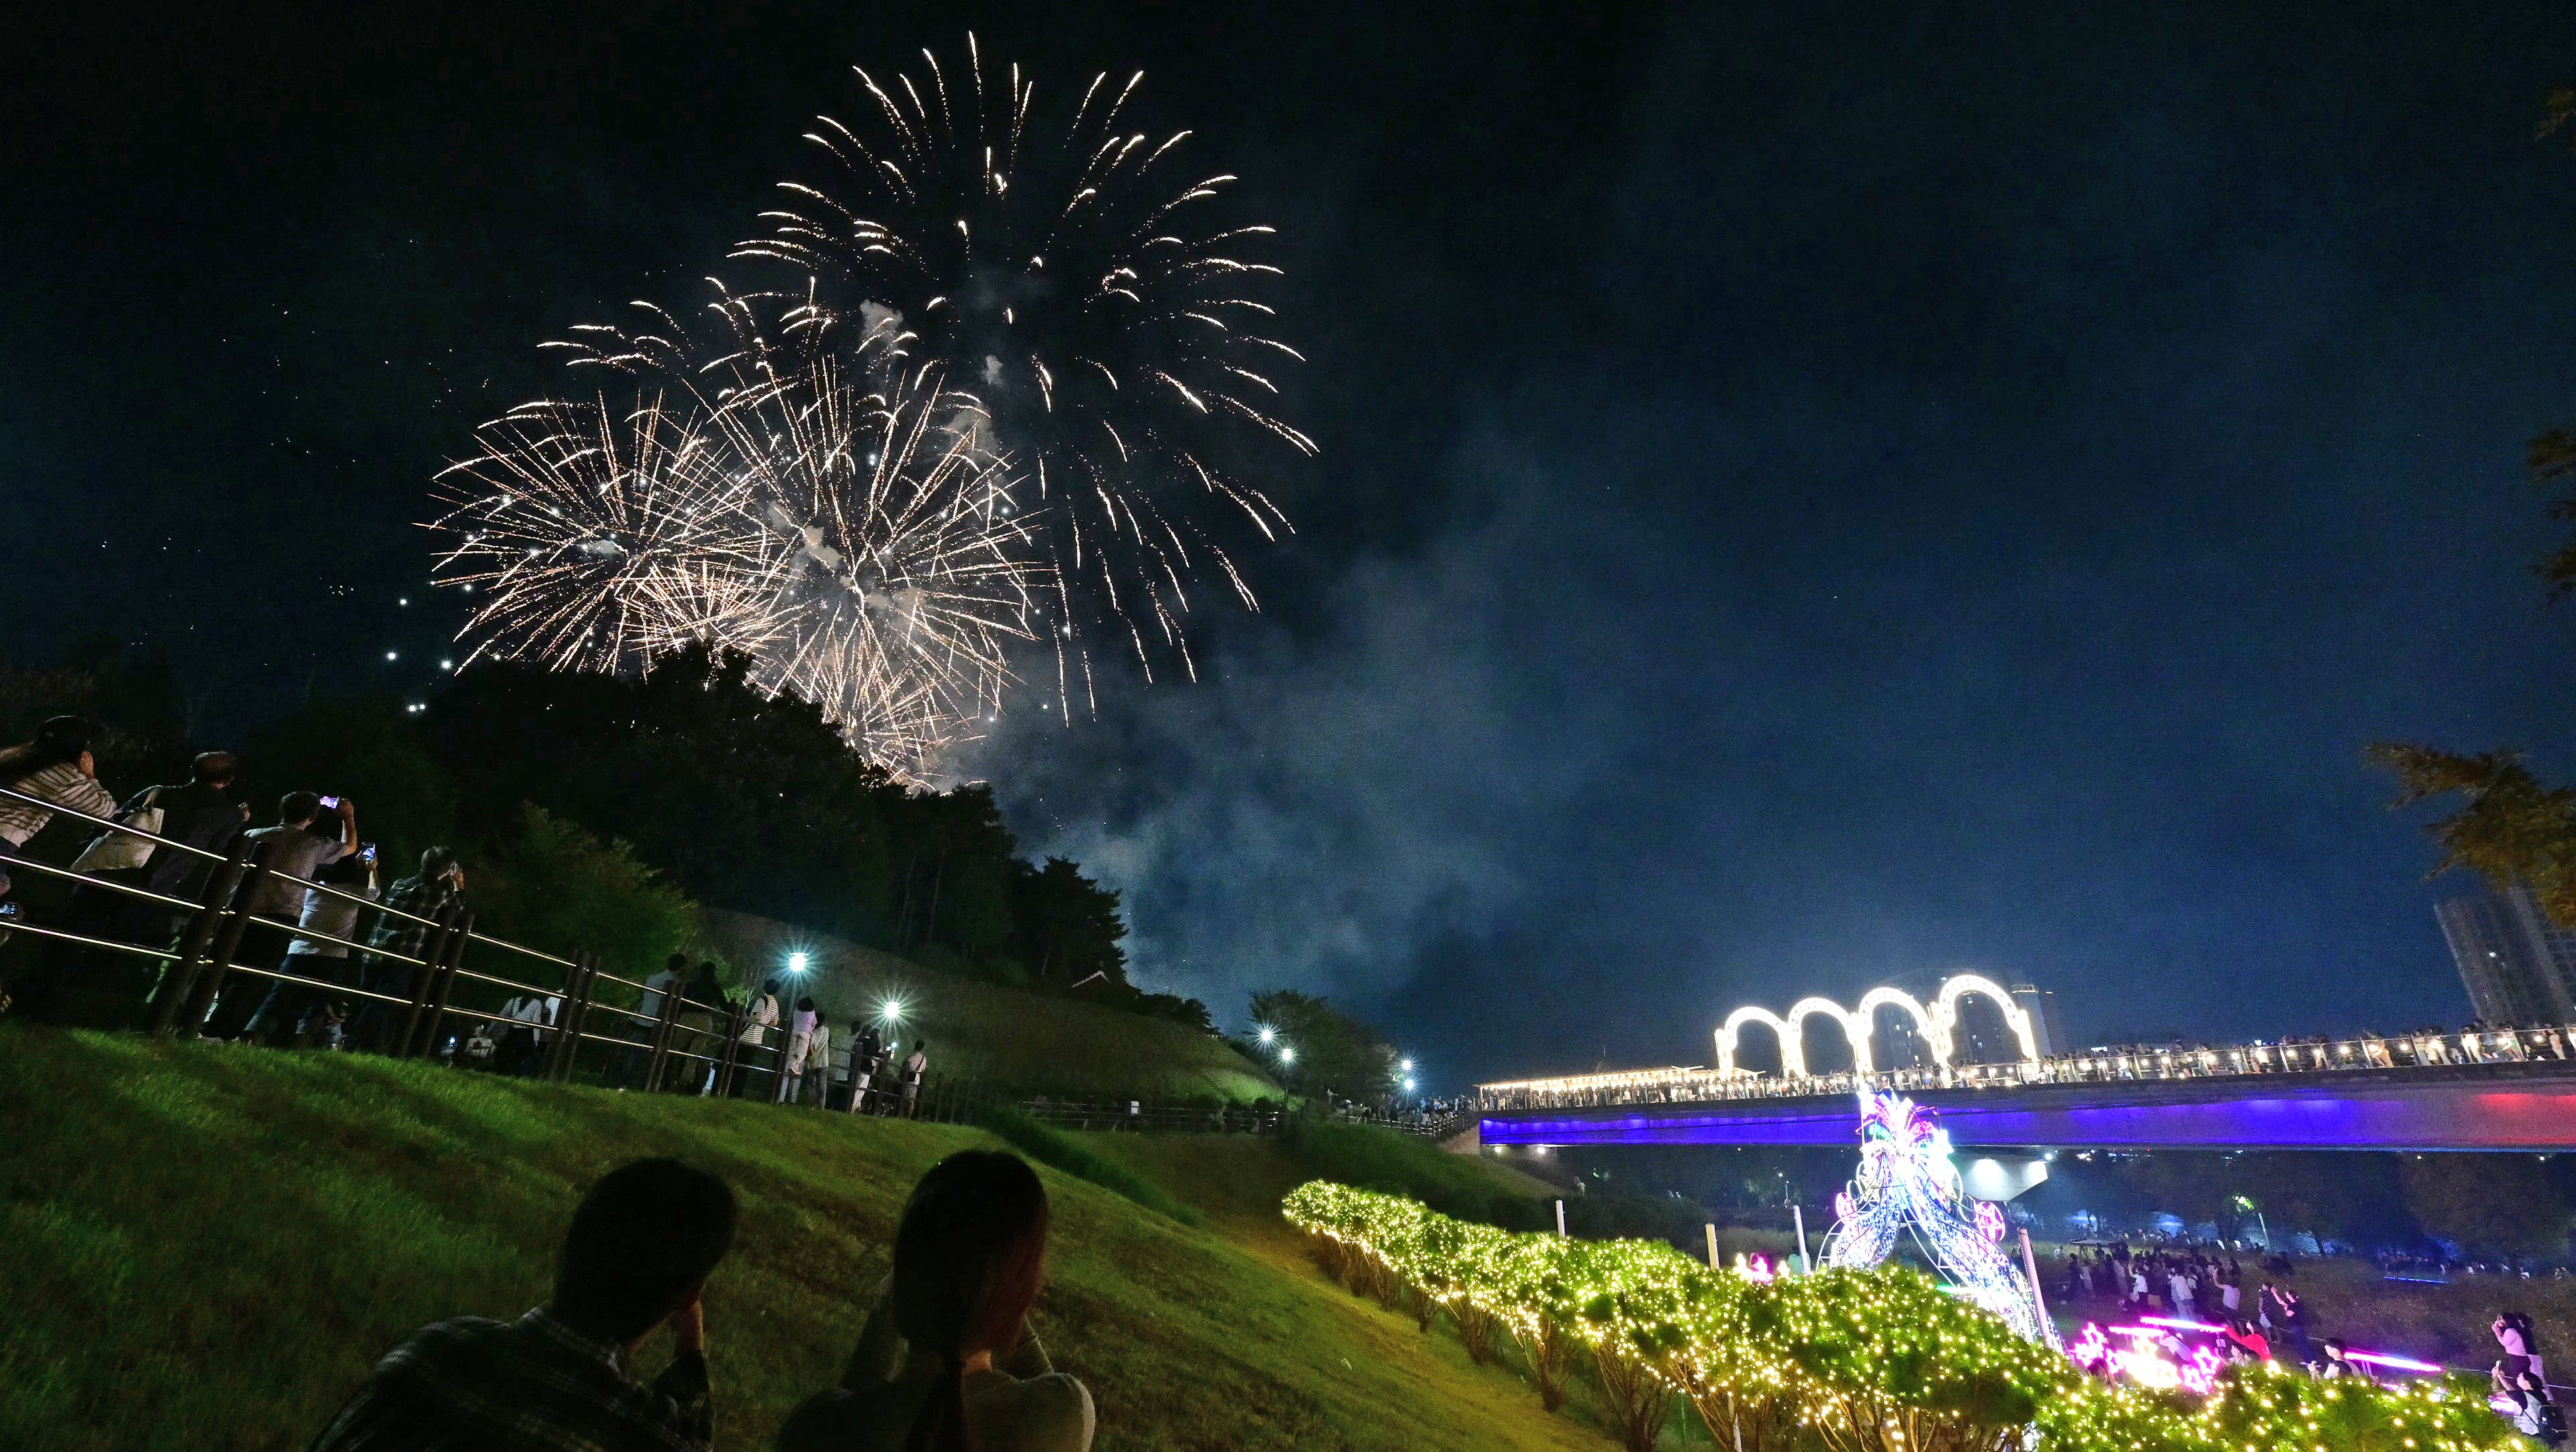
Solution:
(1699, 1085)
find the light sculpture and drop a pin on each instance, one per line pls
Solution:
(1938, 1024)
(1906, 1181)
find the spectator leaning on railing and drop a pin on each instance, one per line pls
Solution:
(300, 850)
(56, 766)
(297, 1014)
(411, 905)
(757, 1025)
(202, 814)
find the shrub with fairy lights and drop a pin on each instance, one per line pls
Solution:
(1875, 1360)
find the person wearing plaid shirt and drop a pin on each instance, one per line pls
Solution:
(558, 1379)
(441, 882)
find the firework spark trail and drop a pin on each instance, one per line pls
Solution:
(862, 547)
(599, 538)
(904, 576)
(1065, 279)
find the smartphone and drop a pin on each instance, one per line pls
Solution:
(367, 853)
(332, 802)
(8, 909)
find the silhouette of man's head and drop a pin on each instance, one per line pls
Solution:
(641, 1244)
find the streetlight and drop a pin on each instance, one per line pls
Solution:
(1405, 1065)
(1268, 1034)
(890, 1012)
(796, 962)
(1287, 1054)
(1408, 1086)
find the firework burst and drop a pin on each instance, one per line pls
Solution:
(600, 536)
(765, 496)
(1075, 280)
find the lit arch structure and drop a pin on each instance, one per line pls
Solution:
(1938, 1024)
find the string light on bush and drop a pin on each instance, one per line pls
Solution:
(1858, 1360)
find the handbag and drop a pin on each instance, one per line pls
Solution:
(113, 851)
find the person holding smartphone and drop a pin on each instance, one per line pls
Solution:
(317, 961)
(414, 904)
(305, 842)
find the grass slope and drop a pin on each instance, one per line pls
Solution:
(1035, 1041)
(206, 1247)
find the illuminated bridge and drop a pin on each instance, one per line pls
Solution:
(2512, 1089)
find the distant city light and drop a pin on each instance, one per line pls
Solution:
(447, 665)
(389, 655)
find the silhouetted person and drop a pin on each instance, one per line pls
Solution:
(947, 1362)
(637, 1257)
(406, 927)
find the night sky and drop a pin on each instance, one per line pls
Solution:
(1810, 495)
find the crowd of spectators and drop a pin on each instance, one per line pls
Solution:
(2207, 1286)
(317, 983)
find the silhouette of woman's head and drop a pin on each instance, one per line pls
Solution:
(968, 1260)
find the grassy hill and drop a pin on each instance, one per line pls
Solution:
(1035, 1041)
(207, 1246)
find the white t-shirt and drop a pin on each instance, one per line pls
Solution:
(916, 1066)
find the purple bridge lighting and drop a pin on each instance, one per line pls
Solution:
(2527, 1107)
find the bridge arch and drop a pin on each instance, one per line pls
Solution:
(1793, 1055)
(1945, 1016)
(1866, 1019)
(1855, 1031)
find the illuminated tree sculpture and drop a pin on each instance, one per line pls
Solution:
(1906, 1179)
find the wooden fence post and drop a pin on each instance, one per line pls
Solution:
(210, 982)
(443, 971)
(433, 951)
(663, 1027)
(568, 1014)
(731, 1052)
(182, 973)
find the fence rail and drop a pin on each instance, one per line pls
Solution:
(1696, 1085)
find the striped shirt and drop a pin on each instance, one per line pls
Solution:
(62, 784)
(533, 1385)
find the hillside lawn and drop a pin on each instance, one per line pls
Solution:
(207, 1247)
(1040, 1042)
